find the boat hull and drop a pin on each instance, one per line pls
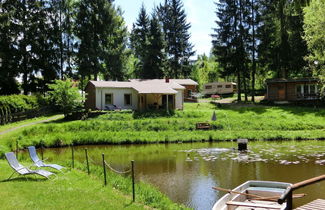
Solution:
(233, 201)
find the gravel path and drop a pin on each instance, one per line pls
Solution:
(29, 124)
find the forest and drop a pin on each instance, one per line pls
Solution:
(252, 40)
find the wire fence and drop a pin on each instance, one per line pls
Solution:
(116, 171)
(105, 165)
(88, 160)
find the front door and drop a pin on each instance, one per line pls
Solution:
(281, 92)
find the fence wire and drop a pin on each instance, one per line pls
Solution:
(116, 171)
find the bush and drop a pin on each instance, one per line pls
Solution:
(20, 103)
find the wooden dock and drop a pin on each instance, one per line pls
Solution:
(318, 204)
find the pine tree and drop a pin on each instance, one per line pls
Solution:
(8, 53)
(102, 39)
(282, 49)
(176, 30)
(117, 56)
(140, 42)
(230, 41)
(156, 56)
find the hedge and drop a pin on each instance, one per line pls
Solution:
(19, 103)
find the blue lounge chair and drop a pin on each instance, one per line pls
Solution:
(40, 163)
(22, 170)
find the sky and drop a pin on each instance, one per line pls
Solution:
(200, 13)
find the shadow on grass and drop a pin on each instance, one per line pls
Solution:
(25, 179)
(260, 109)
(153, 114)
(128, 204)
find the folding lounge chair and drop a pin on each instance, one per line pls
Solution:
(40, 163)
(22, 170)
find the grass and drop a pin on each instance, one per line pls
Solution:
(72, 190)
(23, 122)
(252, 122)
(76, 190)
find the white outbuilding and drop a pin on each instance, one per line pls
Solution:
(135, 95)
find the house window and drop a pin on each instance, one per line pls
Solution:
(312, 89)
(228, 86)
(109, 98)
(219, 86)
(300, 92)
(127, 99)
(189, 93)
(306, 91)
(208, 87)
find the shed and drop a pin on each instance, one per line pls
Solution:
(298, 89)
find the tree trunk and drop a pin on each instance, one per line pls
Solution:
(238, 87)
(61, 41)
(253, 53)
(24, 51)
(245, 88)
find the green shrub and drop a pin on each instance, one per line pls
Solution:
(20, 103)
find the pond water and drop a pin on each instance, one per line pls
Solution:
(187, 172)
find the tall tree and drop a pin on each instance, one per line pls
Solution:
(156, 56)
(8, 52)
(315, 37)
(176, 30)
(117, 56)
(230, 41)
(102, 38)
(140, 42)
(281, 47)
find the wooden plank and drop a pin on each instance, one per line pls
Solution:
(318, 204)
(253, 205)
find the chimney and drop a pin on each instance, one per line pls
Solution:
(167, 80)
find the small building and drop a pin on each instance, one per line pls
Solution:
(292, 89)
(219, 88)
(135, 95)
(189, 85)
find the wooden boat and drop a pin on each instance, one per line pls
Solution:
(253, 195)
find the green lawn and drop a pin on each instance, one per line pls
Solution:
(252, 122)
(72, 190)
(76, 190)
(23, 122)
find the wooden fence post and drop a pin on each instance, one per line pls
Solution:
(17, 148)
(42, 152)
(72, 154)
(86, 152)
(133, 189)
(104, 168)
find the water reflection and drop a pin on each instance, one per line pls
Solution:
(187, 172)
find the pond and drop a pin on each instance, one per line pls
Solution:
(187, 172)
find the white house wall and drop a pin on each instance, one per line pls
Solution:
(179, 99)
(118, 97)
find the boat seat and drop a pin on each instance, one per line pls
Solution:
(253, 205)
(268, 189)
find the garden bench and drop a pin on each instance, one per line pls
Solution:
(203, 126)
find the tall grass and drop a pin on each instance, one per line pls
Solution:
(257, 122)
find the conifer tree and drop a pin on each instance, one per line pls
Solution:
(230, 40)
(102, 39)
(140, 42)
(156, 56)
(176, 30)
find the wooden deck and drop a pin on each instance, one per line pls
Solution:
(318, 204)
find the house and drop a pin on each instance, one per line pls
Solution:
(190, 86)
(135, 95)
(292, 89)
(219, 88)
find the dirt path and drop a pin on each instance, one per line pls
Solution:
(29, 124)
